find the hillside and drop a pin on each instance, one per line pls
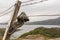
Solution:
(46, 22)
(42, 34)
(48, 32)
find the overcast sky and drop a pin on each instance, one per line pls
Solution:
(48, 7)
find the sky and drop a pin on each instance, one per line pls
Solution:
(50, 7)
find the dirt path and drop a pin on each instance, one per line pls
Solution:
(33, 37)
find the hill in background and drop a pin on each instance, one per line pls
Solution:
(46, 22)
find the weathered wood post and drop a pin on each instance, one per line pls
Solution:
(13, 18)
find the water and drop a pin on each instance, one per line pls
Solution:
(27, 28)
(3, 26)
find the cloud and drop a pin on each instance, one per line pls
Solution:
(48, 7)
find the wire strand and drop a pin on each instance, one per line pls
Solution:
(7, 9)
(42, 15)
(28, 1)
(32, 3)
(6, 13)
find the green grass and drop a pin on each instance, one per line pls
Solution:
(2, 30)
(48, 32)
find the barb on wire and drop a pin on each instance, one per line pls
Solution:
(34, 3)
(28, 1)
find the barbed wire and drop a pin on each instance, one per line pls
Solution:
(10, 8)
(7, 9)
(22, 5)
(28, 1)
(33, 3)
(6, 13)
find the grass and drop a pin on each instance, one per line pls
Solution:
(48, 32)
(2, 30)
